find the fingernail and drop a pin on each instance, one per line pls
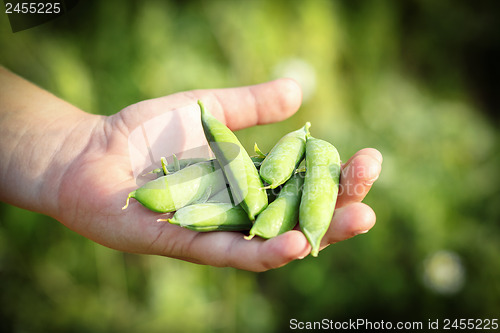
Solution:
(370, 181)
(304, 255)
(361, 232)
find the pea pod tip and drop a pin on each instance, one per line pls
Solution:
(258, 151)
(202, 107)
(249, 237)
(306, 128)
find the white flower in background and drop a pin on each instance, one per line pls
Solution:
(300, 70)
(444, 272)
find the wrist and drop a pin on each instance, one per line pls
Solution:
(70, 138)
(36, 147)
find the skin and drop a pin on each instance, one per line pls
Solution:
(55, 160)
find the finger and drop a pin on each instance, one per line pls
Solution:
(224, 249)
(229, 249)
(367, 151)
(238, 108)
(358, 175)
(243, 106)
(352, 220)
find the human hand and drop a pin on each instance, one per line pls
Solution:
(94, 189)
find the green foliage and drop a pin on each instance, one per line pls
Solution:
(373, 79)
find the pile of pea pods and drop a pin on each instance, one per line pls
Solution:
(263, 195)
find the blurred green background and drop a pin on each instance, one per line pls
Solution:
(416, 79)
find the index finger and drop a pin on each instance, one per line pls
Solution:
(242, 107)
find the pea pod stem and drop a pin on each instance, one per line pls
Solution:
(258, 151)
(130, 195)
(164, 165)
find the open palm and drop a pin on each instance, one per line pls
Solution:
(95, 186)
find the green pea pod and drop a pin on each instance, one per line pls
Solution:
(223, 196)
(212, 216)
(282, 214)
(240, 171)
(283, 159)
(184, 187)
(320, 190)
(226, 196)
(169, 168)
